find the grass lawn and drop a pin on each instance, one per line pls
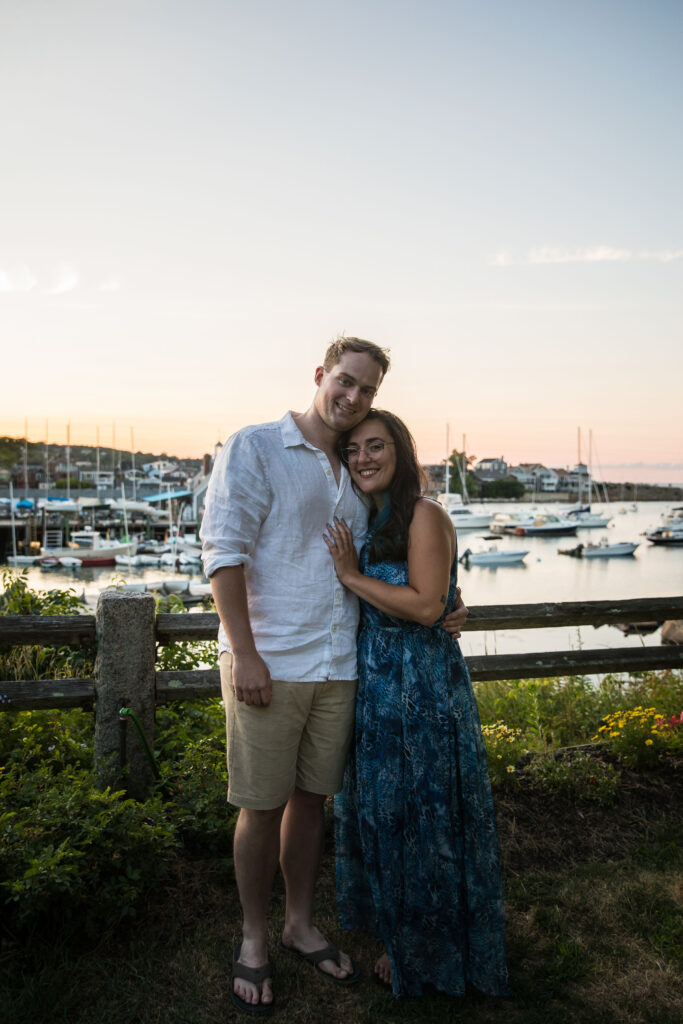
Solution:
(595, 932)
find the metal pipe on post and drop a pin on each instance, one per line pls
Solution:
(124, 677)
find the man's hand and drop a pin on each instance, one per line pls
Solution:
(251, 679)
(455, 620)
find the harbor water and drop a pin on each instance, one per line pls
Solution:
(545, 575)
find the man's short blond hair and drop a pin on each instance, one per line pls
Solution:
(343, 344)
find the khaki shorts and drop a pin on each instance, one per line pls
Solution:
(299, 740)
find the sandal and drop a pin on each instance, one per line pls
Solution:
(328, 953)
(256, 975)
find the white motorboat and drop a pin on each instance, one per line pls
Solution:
(462, 515)
(545, 524)
(22, 560)
(70, 562)
(607, 550)
(493, 556)
(465, 519)
(602, 550)
(131, 560)
(187, 558)
(88, 545)
(507, 522)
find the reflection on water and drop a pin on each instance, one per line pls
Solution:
(650, 572)
(544, 576)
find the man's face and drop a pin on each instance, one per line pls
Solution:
(346, 391)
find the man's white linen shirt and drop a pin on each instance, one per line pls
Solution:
(269, 499)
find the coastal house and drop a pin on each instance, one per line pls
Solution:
(535, 476)
(159, 468)
(435, 474)
(487, 470)
(35, 474)
(577, 478)
(105, 477)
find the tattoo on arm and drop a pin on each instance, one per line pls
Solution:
(443, 599)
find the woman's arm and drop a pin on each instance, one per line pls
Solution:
(431, 549)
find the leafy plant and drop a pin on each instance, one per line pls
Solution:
(40, 661)
(504, 747)
(72, 855)
(576, 776)
(636, 736)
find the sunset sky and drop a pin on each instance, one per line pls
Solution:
(196, 197)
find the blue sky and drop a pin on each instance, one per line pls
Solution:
(196, 198)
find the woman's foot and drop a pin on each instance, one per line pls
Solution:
(383, 969)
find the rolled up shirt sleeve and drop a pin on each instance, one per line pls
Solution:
(237, 502)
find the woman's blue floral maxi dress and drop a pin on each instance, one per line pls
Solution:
(418, 862)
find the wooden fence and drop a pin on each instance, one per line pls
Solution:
(125, 633)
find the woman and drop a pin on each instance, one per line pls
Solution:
(417, 850)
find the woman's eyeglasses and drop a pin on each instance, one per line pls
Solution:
(372, 450)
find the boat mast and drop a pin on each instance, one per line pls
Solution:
(11, 514)
(68, 461)
(47, 465)
(465, 496)
(132, 455)
(97, 466)
(448, 453)
(25, 458)
(578, 465)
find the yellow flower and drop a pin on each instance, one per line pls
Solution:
(510, 768)
(648, 743)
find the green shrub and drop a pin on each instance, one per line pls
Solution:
(40, 661)
(550, 712)
(73, 856)
(190, 745)
(576, 776)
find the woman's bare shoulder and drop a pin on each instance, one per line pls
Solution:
(431, 514)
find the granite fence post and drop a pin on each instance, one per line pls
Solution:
(124, 677)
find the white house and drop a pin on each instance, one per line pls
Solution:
(535, 476)
(159, 468)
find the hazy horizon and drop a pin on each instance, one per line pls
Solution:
(197, 198)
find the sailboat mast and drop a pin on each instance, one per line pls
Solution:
(97, 465)
(448, 453)
(68, 461)
(132, 455)
(25, 458)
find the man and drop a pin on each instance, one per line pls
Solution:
(287, 645)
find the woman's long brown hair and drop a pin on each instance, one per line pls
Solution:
(390, 538)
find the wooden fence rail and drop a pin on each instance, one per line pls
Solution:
(125, 633)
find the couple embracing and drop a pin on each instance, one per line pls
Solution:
(311, 522)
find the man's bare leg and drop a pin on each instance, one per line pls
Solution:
(256, 852)
(301, 842)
